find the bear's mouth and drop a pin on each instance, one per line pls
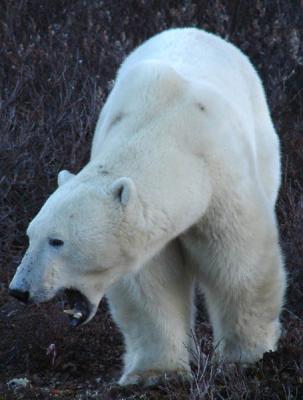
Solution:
(76, 306)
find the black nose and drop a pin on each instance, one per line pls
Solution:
(19, 295)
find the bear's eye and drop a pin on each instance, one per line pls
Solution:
(55, 242)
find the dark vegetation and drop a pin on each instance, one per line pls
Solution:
(57, 62)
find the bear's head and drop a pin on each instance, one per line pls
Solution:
(85, 238)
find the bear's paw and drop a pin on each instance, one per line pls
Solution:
(155, 377)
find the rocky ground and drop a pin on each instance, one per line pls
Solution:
(58, 61)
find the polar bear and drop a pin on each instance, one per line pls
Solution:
(179, 192)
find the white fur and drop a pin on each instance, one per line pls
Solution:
(184, 147)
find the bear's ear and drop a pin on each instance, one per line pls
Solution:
(123, 190)
(64, 176)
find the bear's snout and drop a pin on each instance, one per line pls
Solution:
(19, 295)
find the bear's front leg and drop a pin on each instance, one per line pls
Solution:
(153, 309)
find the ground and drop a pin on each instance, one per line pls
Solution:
(58, 60)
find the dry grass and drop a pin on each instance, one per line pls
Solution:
(58, 59)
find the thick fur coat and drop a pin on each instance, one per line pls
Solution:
(179, 192)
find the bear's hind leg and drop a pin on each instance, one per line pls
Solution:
(245, 310)
(154, 311)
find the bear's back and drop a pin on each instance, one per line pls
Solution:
(199, 56)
